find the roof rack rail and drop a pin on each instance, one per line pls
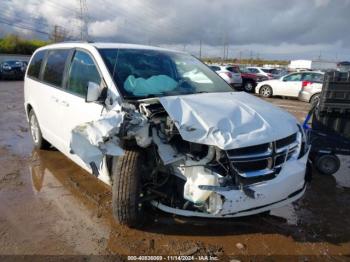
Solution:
(76, 41)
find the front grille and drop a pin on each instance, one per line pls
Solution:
(263, 160)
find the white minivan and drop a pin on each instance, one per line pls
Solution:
(164, 131)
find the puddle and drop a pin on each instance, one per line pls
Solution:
(287, 212)
(342, 177)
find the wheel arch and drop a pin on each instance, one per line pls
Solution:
(28, 108)
(316, 94)
(268, 85)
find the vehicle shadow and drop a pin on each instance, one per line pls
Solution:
(320, 216)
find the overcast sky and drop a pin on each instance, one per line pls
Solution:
(281, 29)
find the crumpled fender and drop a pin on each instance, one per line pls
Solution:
(91, 141)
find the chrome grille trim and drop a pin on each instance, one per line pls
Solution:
(251, 165)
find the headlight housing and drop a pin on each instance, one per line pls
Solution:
(304, 145)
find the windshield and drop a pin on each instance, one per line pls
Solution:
(140, 73)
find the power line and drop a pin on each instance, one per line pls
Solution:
(23, 22)
(62, 6)
(2, 21)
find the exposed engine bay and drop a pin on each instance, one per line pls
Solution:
(199, 179)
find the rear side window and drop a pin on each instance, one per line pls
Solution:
(82, 71)
(318, 78)
(215, 68)
(54, 69)
(253, 70)
(233, 69)
(35, 64)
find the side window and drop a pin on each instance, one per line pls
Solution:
(318, 78)
(308, 77)
(35, 64)
(233, 69)
(82, 71)
(253, 70)
(54, 69)
(215, 68)
(293, 77)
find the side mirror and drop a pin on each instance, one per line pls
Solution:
(93, 92)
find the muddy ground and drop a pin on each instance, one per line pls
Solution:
(50, 206)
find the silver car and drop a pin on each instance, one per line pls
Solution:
(311, 87)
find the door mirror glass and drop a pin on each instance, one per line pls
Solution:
(93, 92)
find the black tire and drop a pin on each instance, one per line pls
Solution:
(248, 86)
(35, 131)
(265, 91)
(314, 99)
(127, 182)
(327, 164)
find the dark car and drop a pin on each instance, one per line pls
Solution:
(12, 69)
(250, 80)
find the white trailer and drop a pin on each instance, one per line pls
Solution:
(311, 65)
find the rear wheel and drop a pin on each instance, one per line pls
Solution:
(127, 192)
(327, 164)
(314, 99)
(248, 86)
(265, 91)
(38, 139)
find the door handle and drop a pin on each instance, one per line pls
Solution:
(64, 103)
(55, 99)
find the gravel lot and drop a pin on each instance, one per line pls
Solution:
(50, 206)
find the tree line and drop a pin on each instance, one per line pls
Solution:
(13, 44)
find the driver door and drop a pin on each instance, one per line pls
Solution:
(76, 110)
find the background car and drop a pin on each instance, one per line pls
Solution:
(250, 80)
(13, 69)
(289, 85)
(230, 74)
(311, 87)
(260, 71)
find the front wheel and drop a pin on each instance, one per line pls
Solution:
(265, 91)
(127, 191)
(327, 164)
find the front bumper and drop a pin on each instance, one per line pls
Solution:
(287, 187)
(12, 74)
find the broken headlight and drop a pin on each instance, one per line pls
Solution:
(303, 145)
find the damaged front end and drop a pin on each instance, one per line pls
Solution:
(203, 163)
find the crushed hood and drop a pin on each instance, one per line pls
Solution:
(228, 120)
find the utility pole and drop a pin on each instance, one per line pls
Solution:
(200, 49)
(58, 34)
(240, 57)
(83, 17)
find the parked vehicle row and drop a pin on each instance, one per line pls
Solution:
(305, 85)
(238, 78)
(230, 74)
(12, 69)
(164, 130)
